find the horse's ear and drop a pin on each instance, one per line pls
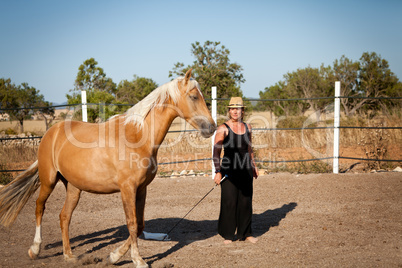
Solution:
(187, 76)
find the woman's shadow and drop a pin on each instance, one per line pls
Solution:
(184, 233)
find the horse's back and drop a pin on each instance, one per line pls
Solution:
(80, 153)
(63, 133)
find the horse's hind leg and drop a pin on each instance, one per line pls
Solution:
(72, 198)
(48, 182)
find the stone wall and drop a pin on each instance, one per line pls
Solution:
(20, 139)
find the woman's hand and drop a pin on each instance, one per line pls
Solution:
(255, 172)
(218, 178)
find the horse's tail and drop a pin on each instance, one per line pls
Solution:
(15, 195)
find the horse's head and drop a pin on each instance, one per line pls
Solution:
(192, 106)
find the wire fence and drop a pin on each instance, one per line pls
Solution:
(257, 129)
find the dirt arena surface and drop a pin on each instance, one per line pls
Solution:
(315, 220)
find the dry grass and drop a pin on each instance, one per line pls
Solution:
(33, 126)
(18, 153)
(14, 158)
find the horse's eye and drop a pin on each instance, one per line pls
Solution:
(193, 97)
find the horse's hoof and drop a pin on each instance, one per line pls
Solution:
(32, 255)
(140, 264)
(109, 261)
(70, 258)
(113, 258)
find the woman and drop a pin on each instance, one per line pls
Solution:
(239, 166)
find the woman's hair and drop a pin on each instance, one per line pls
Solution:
(242, 113)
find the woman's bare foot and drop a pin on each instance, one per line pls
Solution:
(252, 239)
(227, 242)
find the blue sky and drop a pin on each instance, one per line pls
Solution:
(44, 42)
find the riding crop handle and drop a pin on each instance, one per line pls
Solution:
(224, 177)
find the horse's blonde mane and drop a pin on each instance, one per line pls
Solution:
(158, 96)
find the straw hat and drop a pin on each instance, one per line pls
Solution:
(236, 102)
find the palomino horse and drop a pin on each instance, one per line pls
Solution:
(118, 155)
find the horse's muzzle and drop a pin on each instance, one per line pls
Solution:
(207, 129)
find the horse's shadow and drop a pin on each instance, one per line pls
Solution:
(184, 234)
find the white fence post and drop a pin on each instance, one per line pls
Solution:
(84, 106)
(214, 117)
(337, 106)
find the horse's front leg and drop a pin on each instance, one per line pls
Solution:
(129, 198)
(140, 205)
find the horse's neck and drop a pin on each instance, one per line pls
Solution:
(157, 124)
(160, 121)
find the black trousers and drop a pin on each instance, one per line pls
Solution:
(236, 209)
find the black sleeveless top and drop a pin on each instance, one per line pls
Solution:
(236, 162)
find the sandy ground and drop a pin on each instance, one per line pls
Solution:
(319, 220)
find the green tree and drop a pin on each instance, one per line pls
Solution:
(393, 106)
(100, 90)
(281, 107)
(7, 91)
(212, 67)
(311, 83)
(369, 77)
(21, 98)
(347, 72)
(90, 77)
(133, 91)
(377, 80)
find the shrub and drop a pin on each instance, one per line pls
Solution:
(375, 146)
(10, 131)
(292, 122)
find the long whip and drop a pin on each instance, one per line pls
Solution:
(167, 235)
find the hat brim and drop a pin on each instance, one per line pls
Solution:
(236, 106)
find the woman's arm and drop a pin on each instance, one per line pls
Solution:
(219, 137)
(251, 153)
